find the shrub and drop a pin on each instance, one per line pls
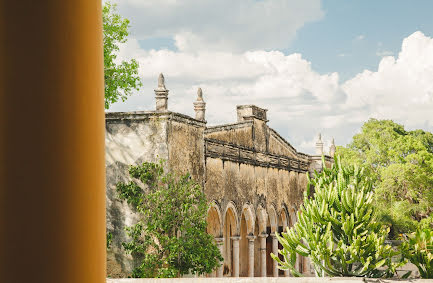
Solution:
(171, 238)
(418, 249)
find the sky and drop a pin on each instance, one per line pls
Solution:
(318, 66)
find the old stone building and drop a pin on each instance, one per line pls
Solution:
(253, 178)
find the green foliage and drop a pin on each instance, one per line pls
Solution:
(336, 228)
(171, 238)
(109, 240)
(401, 164)
(120, 79)
(418, 249)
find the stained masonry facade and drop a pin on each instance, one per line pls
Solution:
(253, 178)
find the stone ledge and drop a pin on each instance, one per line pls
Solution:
(268, 280)
(319, 158)
(111, 117)
(227, 127)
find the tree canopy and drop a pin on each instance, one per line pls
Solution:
(401, 164)
(121, 78)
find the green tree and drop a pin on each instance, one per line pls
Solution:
(120, 78)
(336, 228)
(401, 164)
(171, 238)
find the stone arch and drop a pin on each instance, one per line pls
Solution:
(283, 222)
(262, 219)
(214, 220)
(300, 260)
(270, 229)
(246, 229)
(273, 218)
(231, 229)
(233, 212)
(247, 212)
(292, 215)
(283, 217)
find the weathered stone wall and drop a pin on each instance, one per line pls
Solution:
(230, 176)
(279, 146)
(261, 136)
(239, 133)
(130, 139)
(243, 183)
(135, 137)
(262, 201)
(256, 180)
(186, 147)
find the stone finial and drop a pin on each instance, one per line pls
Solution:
(200, 106)
(319, 145)
(161, 82)
(332, 148)
(199, 94)
(161, 94)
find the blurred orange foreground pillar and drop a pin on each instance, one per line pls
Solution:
(52, 172)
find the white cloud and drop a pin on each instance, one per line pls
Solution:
(402, 87)
(301, 102)
(221, 25)
(360, 37)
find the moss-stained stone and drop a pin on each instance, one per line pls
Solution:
(186, 149)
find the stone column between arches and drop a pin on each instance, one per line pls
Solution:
(275, 252)
(251, 239)
(235, 240)
(220, 244)
(263, 254)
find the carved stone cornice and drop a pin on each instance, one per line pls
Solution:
(240, 154)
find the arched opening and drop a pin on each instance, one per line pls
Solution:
(269, 260)
(213, 227)
(260, 231)
(300, 260)
(229, 231)
(213, 222)
(272, 226)
(246, 231)
(243, 248)
(282, 224)
(256, 249)
(292, 215)
(289, 220)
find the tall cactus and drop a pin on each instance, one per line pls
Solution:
(336, 228)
